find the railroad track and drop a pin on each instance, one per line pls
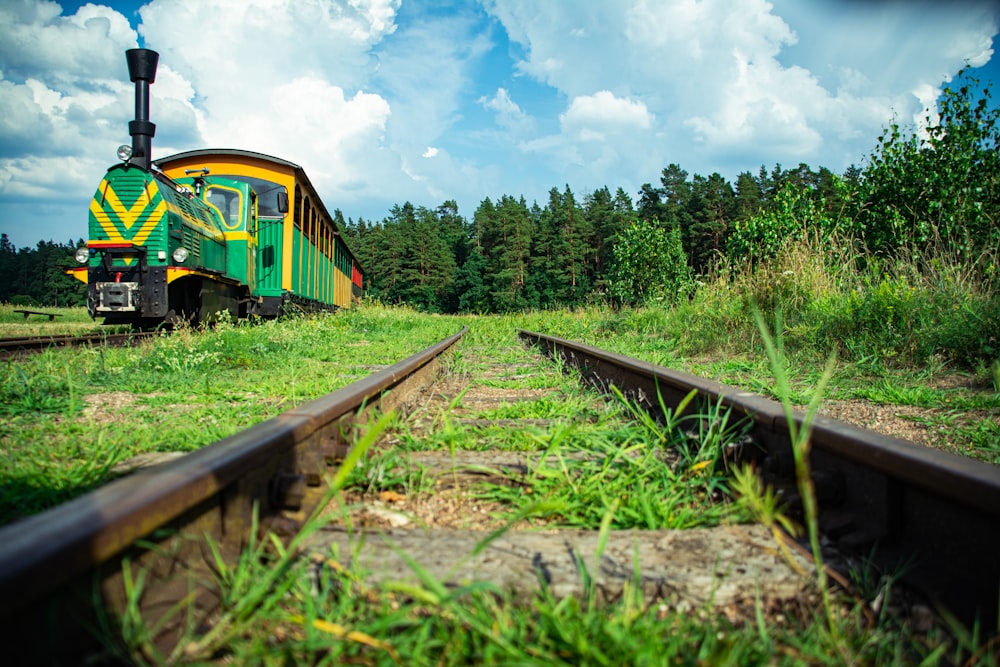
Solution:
(932, 515)
(938, 512)
(10, 347)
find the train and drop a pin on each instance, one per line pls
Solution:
(210, 232)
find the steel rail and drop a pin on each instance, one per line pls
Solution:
(13, 345)
(929, 514)
(61, 559)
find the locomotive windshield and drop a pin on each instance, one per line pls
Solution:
(228, 203)
(267, 194)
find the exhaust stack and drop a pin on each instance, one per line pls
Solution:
(142, 72)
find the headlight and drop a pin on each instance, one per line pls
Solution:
(82, 255)
(124, 152)
(180, 255)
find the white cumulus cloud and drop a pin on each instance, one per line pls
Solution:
(599, 134)
(64, 101)
(508, 114)
(603, 113)
(728, 85)
(283, 77)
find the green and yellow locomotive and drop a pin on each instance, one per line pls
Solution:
(206, 231)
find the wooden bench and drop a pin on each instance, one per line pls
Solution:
(51, 316)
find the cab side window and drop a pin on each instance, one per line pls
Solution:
(228, 203)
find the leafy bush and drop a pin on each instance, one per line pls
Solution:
(939, 187)
(22, 300)
(796, 214)
(918, 310)
(649, 265)
(897, 318)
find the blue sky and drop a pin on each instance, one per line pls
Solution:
(387, 101)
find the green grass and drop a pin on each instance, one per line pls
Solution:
(68, 416)
(69, 321)
(280, 609)
(910, 391)
(343, 621)
(182, 392)
(631, 474)
(710, 339)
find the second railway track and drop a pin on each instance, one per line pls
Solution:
(939, 512)
(10, 347)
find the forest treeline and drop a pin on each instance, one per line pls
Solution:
(937, 188)
(512, 255)
(37, 276)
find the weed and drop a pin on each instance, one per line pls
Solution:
(654, 475)
(801, 447)
(388, 470)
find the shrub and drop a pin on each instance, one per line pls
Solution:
(898, 318)
(649, 265)
(22, 300)
(796, 214)
(940, 187)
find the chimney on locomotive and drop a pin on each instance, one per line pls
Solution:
(142, 72)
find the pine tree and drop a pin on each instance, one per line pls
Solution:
(470, 284)
(749, 196)
(712, 212)
(420, 260)
(606, 216)
(650, 205)
(505, 242)
(677, 196)
(8, 268)
(571, 246)
(543, 282)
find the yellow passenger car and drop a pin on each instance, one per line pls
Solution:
(301, 255)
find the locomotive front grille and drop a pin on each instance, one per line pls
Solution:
(117, 297)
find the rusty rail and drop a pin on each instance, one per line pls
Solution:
(55, 565)
(23, 344)
(931, 515)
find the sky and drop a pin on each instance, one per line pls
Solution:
(388, 101)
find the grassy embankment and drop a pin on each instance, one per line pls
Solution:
(67, 321)
(68, 416)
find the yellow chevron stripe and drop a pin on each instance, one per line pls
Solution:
(127, 216)
(173, 273)
(105, 221)
(155, 217)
